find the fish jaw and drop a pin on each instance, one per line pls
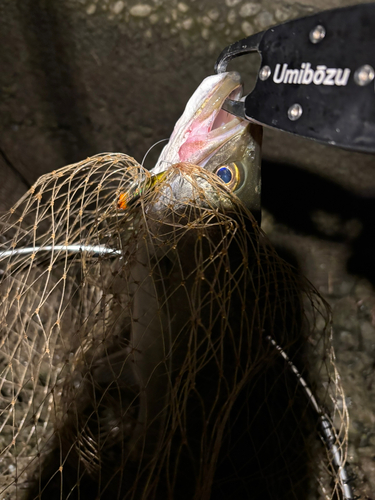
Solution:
(209, 137)
(204, 126)
(198, 148)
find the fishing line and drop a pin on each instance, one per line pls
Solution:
(150, 148)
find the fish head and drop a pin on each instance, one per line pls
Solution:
(209, 137)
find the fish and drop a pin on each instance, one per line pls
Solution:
(228, 147)
(143, 371)
(208, 138)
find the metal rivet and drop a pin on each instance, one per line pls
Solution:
(317, 34)
(294, 112)
(264, 73)
(364, 75)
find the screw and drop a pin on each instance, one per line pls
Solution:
(295, 112)
(264, 73)
(317, 34)
(364, 75)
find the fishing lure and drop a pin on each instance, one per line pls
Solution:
(130, 197)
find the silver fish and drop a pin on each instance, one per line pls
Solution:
(209, 137)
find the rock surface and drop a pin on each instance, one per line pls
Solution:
(79, 77)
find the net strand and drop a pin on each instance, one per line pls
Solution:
(132, 355)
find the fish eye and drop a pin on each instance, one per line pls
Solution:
(230, 175)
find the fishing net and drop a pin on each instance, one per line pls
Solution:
(139, 331)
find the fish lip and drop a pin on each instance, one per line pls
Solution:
(235, 95)
(210, 109)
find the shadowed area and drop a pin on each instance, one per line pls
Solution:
(318, 207)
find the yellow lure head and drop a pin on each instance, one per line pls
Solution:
(127, 199)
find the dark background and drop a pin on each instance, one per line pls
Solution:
(79, 77)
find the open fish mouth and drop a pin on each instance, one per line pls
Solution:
(200, 148)
(205, 127)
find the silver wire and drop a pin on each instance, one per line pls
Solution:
(94, 249)
(328, 432)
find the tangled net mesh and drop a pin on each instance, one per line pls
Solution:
(137, 366)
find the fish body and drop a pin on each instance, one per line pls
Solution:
(204, 136)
